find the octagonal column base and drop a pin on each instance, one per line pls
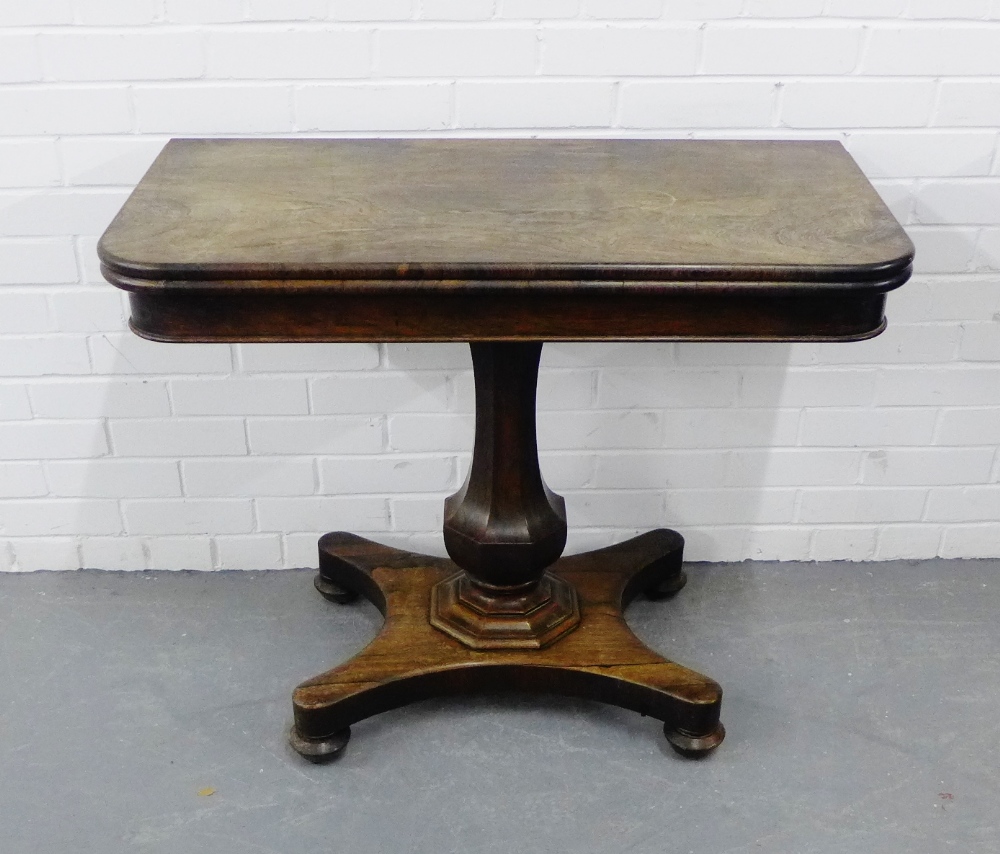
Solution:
(479, 620)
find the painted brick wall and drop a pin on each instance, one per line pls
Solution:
(119, 453)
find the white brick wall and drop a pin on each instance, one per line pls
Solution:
(123, 454)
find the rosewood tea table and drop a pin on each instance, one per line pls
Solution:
(504, 244)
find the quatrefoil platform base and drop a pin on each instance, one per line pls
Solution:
(411, 660)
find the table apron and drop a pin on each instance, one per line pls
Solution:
(827, 313)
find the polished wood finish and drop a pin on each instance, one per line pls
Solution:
(504, 244)
(432, 240)
(410, 661)
(512, 209)
(522, 311)
(483, 619)
(505, 526)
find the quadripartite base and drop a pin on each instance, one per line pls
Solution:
(411, 660)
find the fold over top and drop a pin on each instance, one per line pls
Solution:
(321, 211)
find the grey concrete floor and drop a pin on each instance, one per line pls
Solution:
(861, 704)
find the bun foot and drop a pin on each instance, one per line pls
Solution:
(694, 746)
(319, 750)
(333, 592)
(668, 587)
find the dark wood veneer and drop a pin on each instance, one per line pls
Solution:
(504, 244)
(559, 315)
(516, 209)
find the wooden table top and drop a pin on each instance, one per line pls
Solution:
(474, 239)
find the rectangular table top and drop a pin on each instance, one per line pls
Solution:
(444, 239)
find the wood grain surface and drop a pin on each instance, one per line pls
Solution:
(411, 660)
(444, 209)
